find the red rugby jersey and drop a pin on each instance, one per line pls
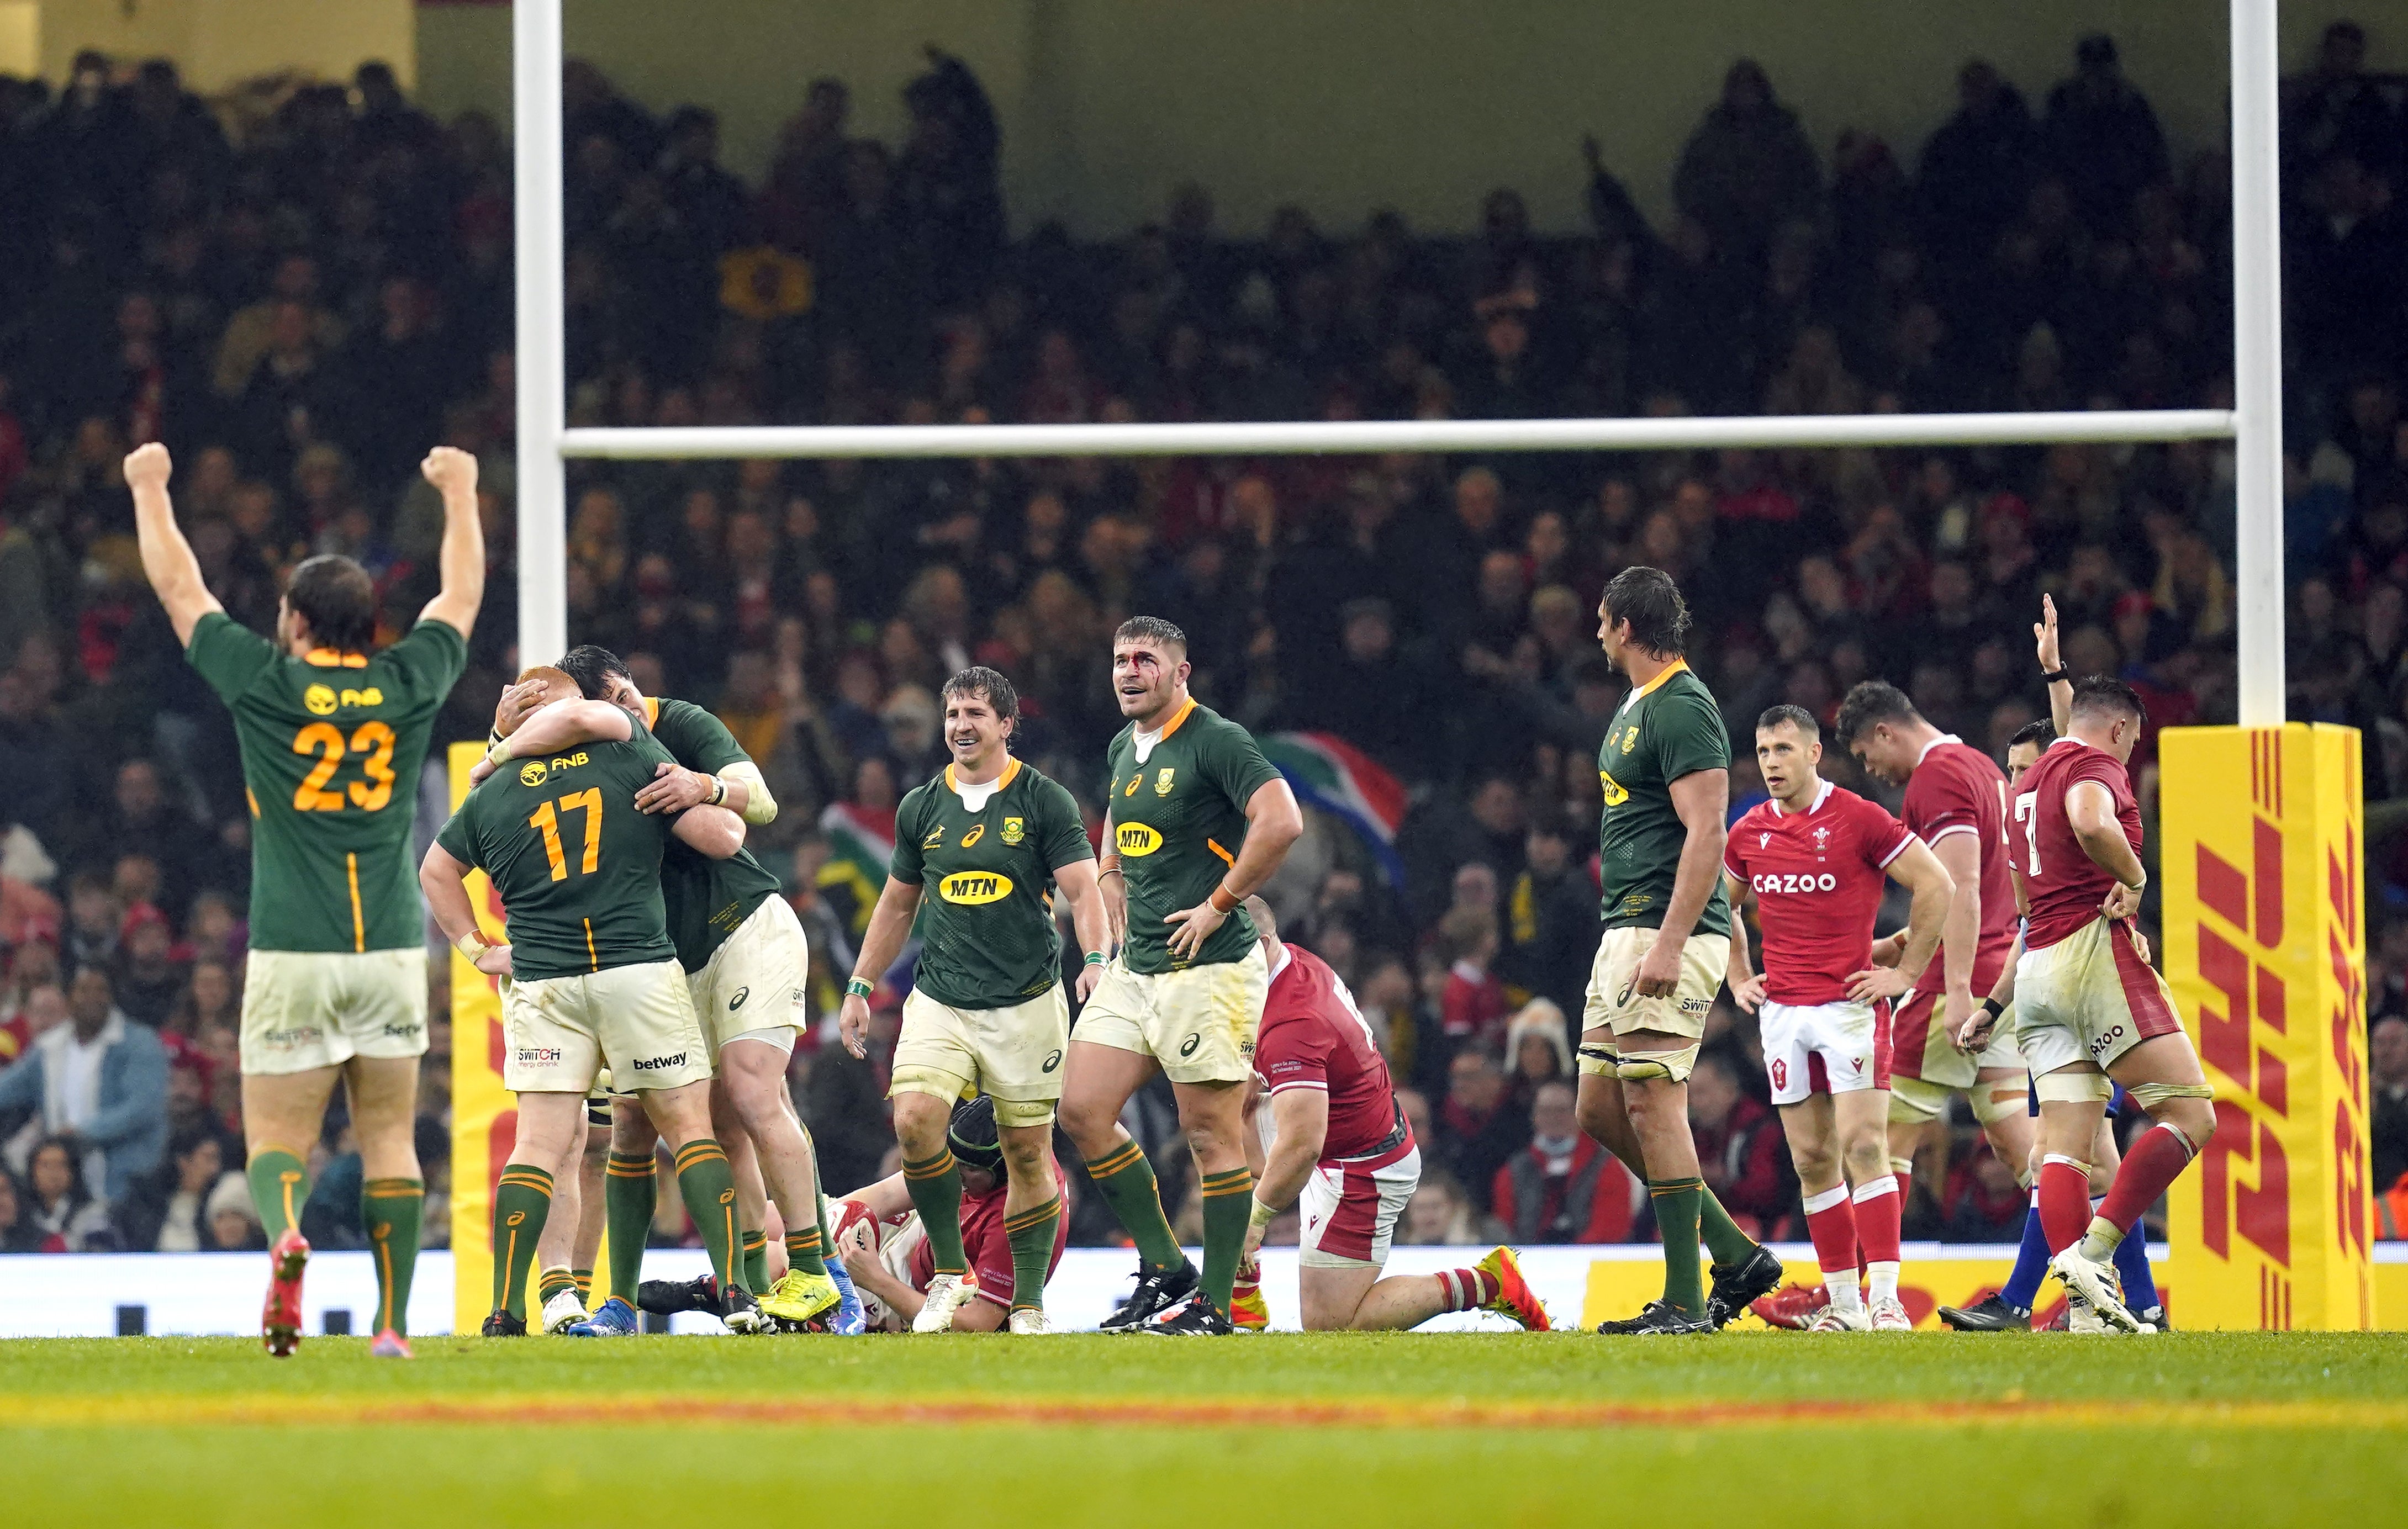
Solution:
(1312, 1036)
(1957, 788)
(1818, 877)
(2062, 884)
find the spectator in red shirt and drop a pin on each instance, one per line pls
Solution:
(1563, 1187)
(1741, 1153)
(1473, 1005)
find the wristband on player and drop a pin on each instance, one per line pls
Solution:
(472, 945)
(497, 752)
(2053, 676)
(718, 791)
(1262, 1216)
(858, 988)
(1095, 958)
(1993, 1007)
(1219, 907)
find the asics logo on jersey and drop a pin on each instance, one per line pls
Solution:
(1794, 883)
(659, 1063)
(1136, 839)
(1187, 1047)
(973, 836)
(972, 888)
(1053, 1060)
(737, 1002)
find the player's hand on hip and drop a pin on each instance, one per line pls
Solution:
(1089, 979)
(1190, 927)
(853, 1024)
(1748, 993)
(1878, 983)
(147, 467)
(451, 469)
(493, 961)
(673, 789)
(2123, 901)
(1659, 969)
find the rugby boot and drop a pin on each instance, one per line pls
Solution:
(502, 1324)
(1515, 1297)
(742, 1313)
(668, 1297)
(945, 1294)
(799, 1298)
(1157, 1290)
(2095, 1282)
(1737, 1286)
(1990, 1314)
(848, 1319)
(1793, 1307)
(562, 1311)
(1028, 1321)
(391, 1345)
(615, 1319)
(1198, 1318)
(1835, 1318)
(280, 1324)
(1889, 1316)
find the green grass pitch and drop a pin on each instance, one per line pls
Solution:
(1744, 1429)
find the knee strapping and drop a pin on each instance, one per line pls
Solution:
(1993, 1104)
(1597, 1061)
(2150, 1095)
(1902, 1165)
(2064, 1087)
(1672, 1066)
(2190, 1148)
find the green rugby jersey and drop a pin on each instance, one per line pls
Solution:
(1179, 820)
(987, 937)
(577, 867)
(330, 748)
(1666, 728)
(707, 898)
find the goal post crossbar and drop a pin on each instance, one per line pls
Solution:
(1290, 439)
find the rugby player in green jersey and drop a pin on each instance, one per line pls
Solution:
(746, 959)
(1197, 821)
(991, 839)
(1665, 773)
(332, 736)
(592, 980)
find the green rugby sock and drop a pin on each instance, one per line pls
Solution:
(1676, 1214)
(1228, 1205)
(583, 1280)
(756, 1261)
(628, 1190)
(1126, 1181)
(551, 1282)
(936, 1186)
(807, 1251)
(708, 1186)
(392, 1211)
(279, 1187)
(1031, 1235)
(1723, 1239)
(522, 1201)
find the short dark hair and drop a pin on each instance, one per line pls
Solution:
(1796, 717)
(2040, 734)
(978, 679)
(2104, 695)
(338, 598)
(1649, 600)
(591, 668)
(1870, 700)
(1153, 629)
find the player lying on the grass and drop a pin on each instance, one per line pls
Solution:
(335, 984)
(746, 961)
(1664, 771)
(883, 1235)
(1813, 858)
(2010, 1310)
(593, 979)
(2089, 1006)
(1343, 1152)
(991, 839)
(1198, 820)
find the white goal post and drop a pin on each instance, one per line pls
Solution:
(2254, 422)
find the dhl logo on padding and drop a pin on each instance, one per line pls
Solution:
(974, 887)
(1136, 839)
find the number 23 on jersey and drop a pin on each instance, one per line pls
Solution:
(371, 742)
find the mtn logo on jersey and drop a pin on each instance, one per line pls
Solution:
(1135, 838)
(971, 888)
(1615, 793)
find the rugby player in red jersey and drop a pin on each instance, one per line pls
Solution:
(1812, 858)
(1344, 1155)
(2088, 1006)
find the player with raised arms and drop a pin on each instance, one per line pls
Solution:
(592, 978)
(332, 736)
(1343, 1154)
(2089, 1009)
(992, 837)
(1813, 858)
(1197, 819)
(746, 960)
(1665, 772)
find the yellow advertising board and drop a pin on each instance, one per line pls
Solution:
(484, 1116)
(2261, 860)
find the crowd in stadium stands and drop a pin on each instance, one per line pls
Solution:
(300, 292)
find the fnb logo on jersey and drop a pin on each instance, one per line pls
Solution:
(972, 888)
(1135, 838)
(659, 1063)
(319, 699)
(1795, 882)
(532, 773)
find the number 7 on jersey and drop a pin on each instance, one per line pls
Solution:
(547, 819)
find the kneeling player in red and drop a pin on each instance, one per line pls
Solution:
(1345, 1156)
(889, 1258)
(1812, 858)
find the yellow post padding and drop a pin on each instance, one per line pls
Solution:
(2262, 865)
